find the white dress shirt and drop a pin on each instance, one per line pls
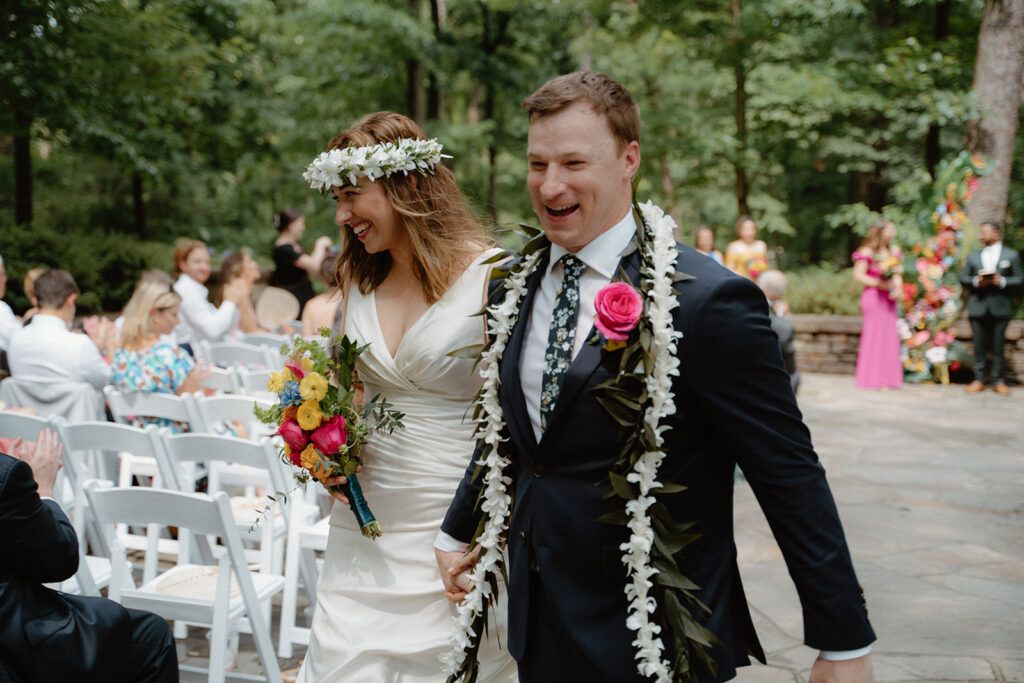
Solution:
(990, 262)
(9, 324)
(47, 351)
(601, 257)
(200, 320)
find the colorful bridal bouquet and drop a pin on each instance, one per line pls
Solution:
(322, 424)
(756, 266)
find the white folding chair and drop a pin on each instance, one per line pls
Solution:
(218, 596)
(138, 449)
(254, 382)
(224, 380)
(274, 341)
(214, 451)
(214, 410)
(304, 539)
(230, 354)
(125, 406)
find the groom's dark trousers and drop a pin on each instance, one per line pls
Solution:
(46, 635)
(734, 404)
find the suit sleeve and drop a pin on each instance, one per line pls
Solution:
(733, 365)
(463, 516)
(1016, 277)
(969, 271)
(37, 537)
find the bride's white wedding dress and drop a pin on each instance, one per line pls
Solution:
(381, 614)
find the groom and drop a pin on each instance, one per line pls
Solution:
(567, 604)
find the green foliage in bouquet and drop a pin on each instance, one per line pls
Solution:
(321, 418)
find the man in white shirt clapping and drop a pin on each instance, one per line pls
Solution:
(47, 351)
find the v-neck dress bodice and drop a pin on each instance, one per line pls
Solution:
(381, 613)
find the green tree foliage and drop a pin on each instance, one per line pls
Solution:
(155, 119)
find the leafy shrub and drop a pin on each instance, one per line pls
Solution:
(105, 265)
(823, 289)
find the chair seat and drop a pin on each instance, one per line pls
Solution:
(187, 592)
(246, 509)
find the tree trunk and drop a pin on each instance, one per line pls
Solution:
(138, 205)
(415, 97)
(932, 147)
(997, 90)
(739, 71)
(22, 169)
(435, 100)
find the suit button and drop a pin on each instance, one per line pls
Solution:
(539, 471)
(522, 537)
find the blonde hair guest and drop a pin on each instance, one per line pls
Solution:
(145, 362)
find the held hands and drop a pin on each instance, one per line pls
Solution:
(103, 333)
(323, 242)
(43, 456)
(453, 566)
(848, 671)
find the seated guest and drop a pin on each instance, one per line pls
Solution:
(9, 322)
(773, 284)
(47, 351)
(321, 310)
(241, 267)
(200, 319)
(145, 361)
(46, 635)
(29, 287)
(704, 242)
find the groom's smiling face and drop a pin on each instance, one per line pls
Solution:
(579, 176)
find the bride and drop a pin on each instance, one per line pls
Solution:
(413, 272)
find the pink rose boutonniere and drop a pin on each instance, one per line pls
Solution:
(619, 307)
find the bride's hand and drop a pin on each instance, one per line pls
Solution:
(453, 566)
(331, 482)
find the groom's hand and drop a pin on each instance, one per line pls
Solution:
(453, 566)
(848, 671)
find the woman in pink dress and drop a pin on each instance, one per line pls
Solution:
(876, 266)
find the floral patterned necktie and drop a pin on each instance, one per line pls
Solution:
(561, 335)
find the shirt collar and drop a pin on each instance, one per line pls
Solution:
(187, 282)
(46, 319)
(604, 252)
(995, 246)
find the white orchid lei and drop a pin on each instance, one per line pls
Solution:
(634, 478)
(337, 167)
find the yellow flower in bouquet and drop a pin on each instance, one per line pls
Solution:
(309, 415)
(310, 456)
(313, 387)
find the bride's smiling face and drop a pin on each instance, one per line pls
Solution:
(365, 210)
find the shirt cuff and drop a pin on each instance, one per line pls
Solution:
(449, 544)
(843, 655)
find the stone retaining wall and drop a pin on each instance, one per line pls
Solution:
(828, 343)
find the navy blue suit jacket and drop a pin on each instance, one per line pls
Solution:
(46, 635)
(734, 404)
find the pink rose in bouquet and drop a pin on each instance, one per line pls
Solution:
(619, 307)
(330, 436)
(293, 435)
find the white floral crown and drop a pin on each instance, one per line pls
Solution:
(343, 166)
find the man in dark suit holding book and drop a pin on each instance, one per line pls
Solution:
(990, 275)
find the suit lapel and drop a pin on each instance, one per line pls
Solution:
(512, 400)
(590, 356)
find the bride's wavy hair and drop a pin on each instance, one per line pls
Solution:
(443, 229)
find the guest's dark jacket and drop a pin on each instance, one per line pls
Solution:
(734, 404)
(46, 635)
(992, 301)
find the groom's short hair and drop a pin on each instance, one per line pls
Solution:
(605, 95)
(53, 287)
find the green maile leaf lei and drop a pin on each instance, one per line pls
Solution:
(639, 398)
